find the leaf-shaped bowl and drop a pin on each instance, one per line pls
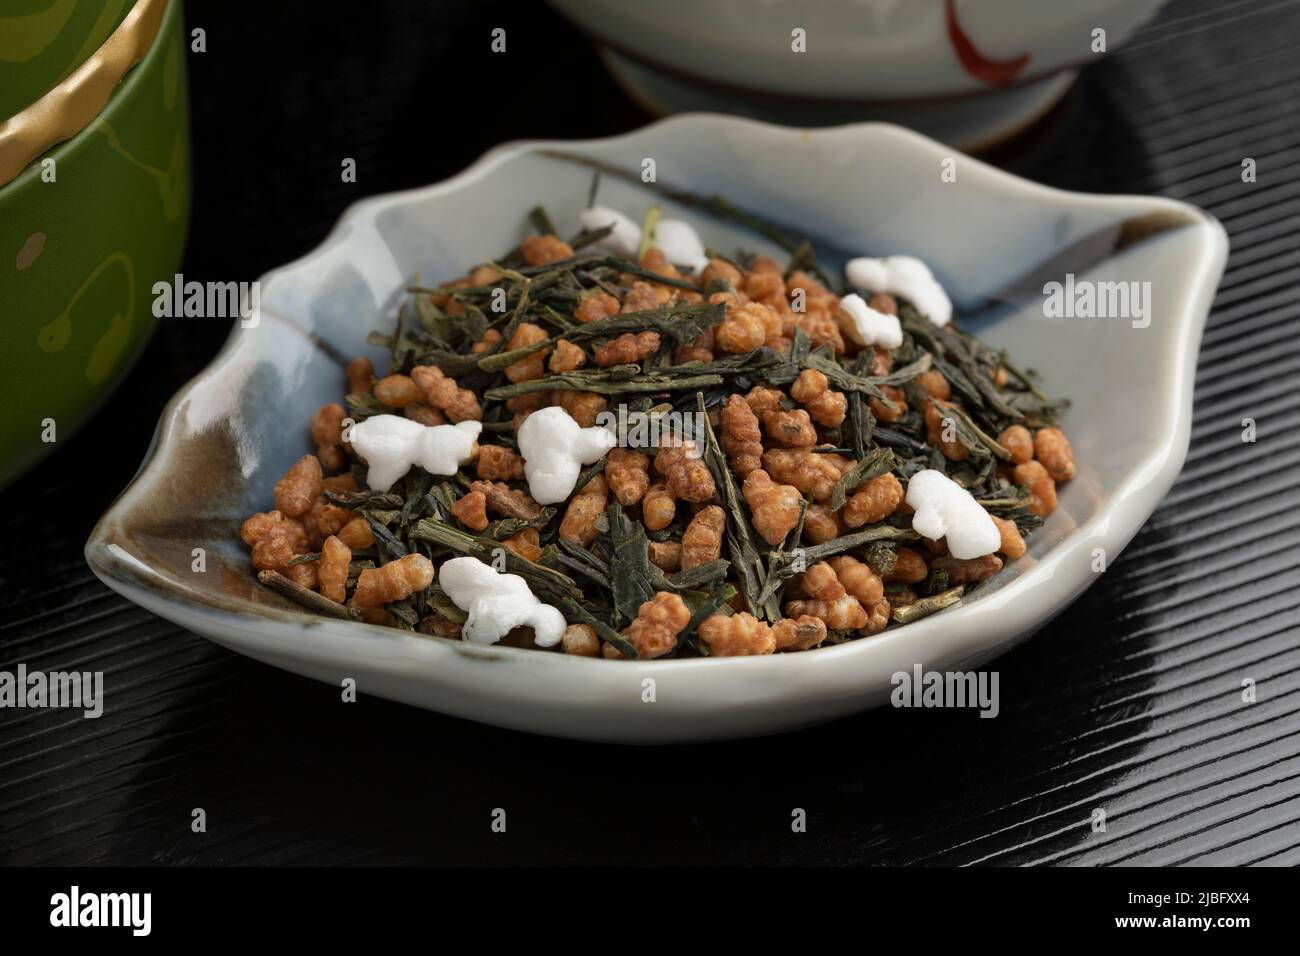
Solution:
(993, 239)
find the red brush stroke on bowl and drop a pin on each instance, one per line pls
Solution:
(993, 72)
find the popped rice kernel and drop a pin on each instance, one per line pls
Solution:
(532, 366)
(658, 507)
(580, 640)
(393, 581)
(1018, 443)
(698, 349)
(909, 568)
(527, 544)
(742, 331)
(799, 634)
(774, 507)
(877, 617)
(498, 463)
(658, 622)
(397, 391)
(809, 471)
(763, 398)
(812, 390)
(939, 420)
(471, 510)
(858, 579)
(300, 486)
(490, 338)
(1052, 448)
(507, 501)
(356, 534)
(442, 392)
(642, 297)
(702, 541)
(327, 433)
(332, 571)
(935, 385)
(665, 555)
(720, 270)
(882, 411)
(684, 470)
(424, 413)
(1042, 489)
(596, 304)
(736, 635)
(873, 502)
(360, 374)
(579, 523)
(567, 357)
(583, 407)
(967, 571)
(1013, 545)
(790, 429)
(304, 575)
(543, 250)
(275, 539)
(741, 438)
(628, 349)
(821, 524)
(628, 473)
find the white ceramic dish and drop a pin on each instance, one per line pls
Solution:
(969, 72)
(226, 437)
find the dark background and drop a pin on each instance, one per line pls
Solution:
(1129, 701)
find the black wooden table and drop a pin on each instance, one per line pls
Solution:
(1130, 701)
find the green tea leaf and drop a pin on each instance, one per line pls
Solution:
(616, 380)
(629, 564)
(874, 464)
(681, 323)
(576, 613)
(783, 565)
(739, 535)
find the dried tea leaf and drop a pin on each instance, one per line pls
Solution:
(874, 464)
(576, 613)
(616, 380)
(629, 565)
(681, 323)
(739, 536)
(927, 605)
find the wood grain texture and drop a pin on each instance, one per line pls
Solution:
(1130, 701)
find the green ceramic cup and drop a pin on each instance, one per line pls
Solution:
(42, 41)
(82, 241)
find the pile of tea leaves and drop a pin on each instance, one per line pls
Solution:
(603, 585)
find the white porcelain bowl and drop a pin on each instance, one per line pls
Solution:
(967, 71)
(226, 437)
